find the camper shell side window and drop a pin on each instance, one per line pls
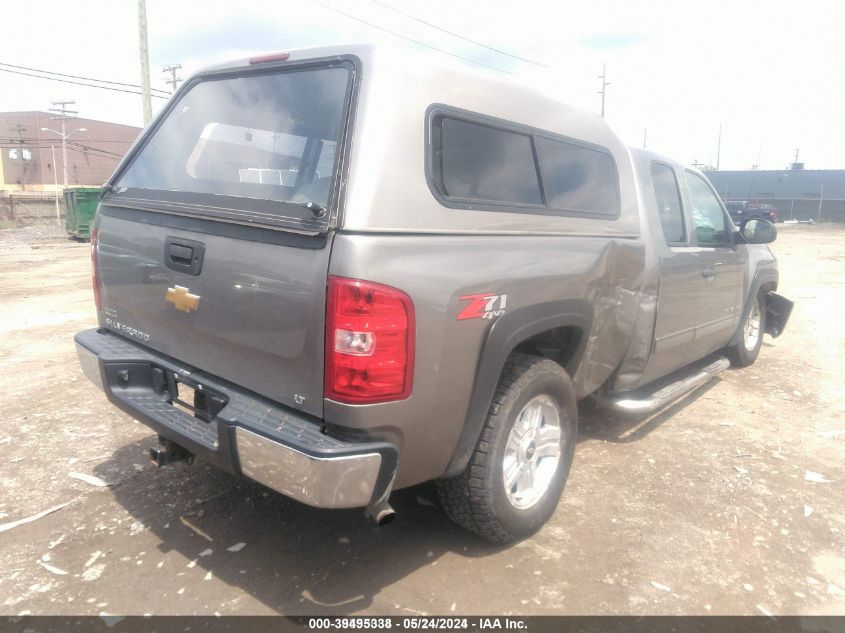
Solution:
(477, 162)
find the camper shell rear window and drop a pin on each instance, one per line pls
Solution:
(251, 146)
(477, 162)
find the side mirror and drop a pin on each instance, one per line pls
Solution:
(757, 231)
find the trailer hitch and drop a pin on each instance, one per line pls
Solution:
(168, 452)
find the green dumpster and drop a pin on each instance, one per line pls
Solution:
(80, 207)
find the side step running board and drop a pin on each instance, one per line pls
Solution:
(638, 402)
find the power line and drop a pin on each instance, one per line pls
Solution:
(466, 39)
(76, 150)
(32, 139)
(102, 81)
(78, 83)
(81, 150)
(19, 128)
(405, 37)
(94, 149)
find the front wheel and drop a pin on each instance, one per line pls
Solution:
(747, 348)
(516, 474)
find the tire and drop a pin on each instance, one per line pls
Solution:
(747, 348)
(479, 498)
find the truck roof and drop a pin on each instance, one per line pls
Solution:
(399, 90)
(435, 64)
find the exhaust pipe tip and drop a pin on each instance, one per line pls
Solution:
(382, 513)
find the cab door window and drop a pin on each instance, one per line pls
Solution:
(668, 199)
(709, 221)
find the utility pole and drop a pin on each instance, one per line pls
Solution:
(719, 148)
(645, 136)
(604, 84)
(759, 155)
(821, 198)
(145, 61)
(64, 115)
(19, 129)
(173, 82)
(797, 151)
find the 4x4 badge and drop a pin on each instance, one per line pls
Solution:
(484, 305)
(182, 299)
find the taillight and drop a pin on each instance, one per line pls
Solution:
(95, 270)
(369, 342)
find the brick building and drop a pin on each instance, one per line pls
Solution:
(27, 151)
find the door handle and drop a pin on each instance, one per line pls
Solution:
(708, 274)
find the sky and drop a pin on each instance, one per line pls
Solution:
(769, 73)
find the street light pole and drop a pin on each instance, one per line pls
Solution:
(56, 185)
(64, 134)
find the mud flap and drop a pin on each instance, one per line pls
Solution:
(778, 309)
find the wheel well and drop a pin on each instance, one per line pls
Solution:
(560, 344)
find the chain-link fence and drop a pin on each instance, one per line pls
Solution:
(831, 210)
(31, 217)
(19, 208)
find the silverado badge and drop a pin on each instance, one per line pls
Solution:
(182, 299)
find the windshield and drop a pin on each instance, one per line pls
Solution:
(269, 137)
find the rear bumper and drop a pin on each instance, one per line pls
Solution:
(284, 450)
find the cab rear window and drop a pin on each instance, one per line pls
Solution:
(252, 139)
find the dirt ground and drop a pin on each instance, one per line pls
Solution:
(730, 502)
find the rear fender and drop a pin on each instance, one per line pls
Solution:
(506, 333)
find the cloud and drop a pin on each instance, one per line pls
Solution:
(607, 41)
(769, 73)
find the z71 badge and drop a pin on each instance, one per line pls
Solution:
(484, 305)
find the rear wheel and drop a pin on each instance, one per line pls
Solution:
(747, 348)
(516, 474)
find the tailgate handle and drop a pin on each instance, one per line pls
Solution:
(184, 255)
(181, 254)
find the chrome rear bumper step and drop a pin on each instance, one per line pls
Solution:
(284, 449)
(639, 402)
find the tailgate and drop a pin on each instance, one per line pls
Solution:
(251, 310)
(214, 233)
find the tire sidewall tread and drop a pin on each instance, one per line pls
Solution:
(476, 499)
(738, 354)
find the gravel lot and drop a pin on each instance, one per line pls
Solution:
(730, 502)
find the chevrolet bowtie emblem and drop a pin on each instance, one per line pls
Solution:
(182, 299)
